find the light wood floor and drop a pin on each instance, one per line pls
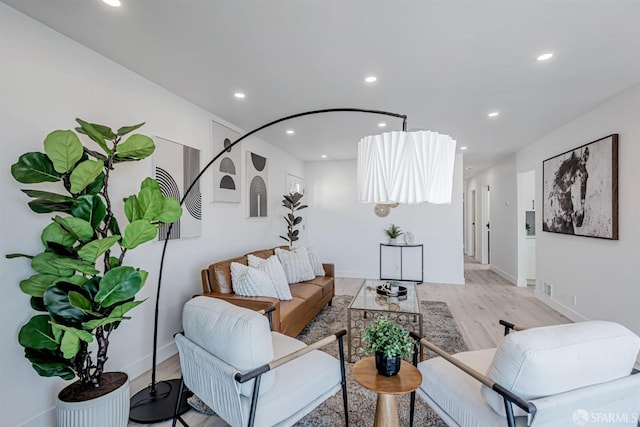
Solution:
(476, 307)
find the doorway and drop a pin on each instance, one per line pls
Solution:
(526, 228)
(485, 226)
(474, 220)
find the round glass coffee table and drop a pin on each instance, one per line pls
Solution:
(407, 380)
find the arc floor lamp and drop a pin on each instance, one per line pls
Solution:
(394, 167)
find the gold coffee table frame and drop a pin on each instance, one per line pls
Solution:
(367, 305)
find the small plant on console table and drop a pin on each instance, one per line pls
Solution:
(291, 201)
(390, 343)
(393, 233)
(81, 289)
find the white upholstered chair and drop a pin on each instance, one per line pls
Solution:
(250, 375)
(564, 375)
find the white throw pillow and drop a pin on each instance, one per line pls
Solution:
(272, 267)
(315, 262)
(296, 265)
(251, 282)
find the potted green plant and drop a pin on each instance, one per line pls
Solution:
(82, 290)
(393, 233)
(291, 201)
(389, 342)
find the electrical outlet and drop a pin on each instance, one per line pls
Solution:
(547, 289)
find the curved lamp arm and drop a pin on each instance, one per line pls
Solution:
(207, 166)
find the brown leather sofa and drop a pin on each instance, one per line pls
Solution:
(289, 317)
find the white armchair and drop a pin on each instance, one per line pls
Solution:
(250, 375)
(564, 375)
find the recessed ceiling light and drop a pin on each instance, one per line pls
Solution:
(370, 79)
(463, 148)
(545, 56)
(239, 95)
(290, 131)
(324, 156)
(493, 114)
(382, 124)
(113, 3)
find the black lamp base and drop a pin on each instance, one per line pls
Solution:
(148, 409)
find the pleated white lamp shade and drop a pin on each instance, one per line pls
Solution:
(406, 167)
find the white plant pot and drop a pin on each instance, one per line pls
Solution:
(110, 410)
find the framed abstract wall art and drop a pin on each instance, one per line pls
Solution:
(580, 190)
(257, 179)
(175, 166)
(227, 170)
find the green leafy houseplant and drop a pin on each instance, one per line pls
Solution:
(81, 289)
(291, 201)
(387, 337)
(394, 231)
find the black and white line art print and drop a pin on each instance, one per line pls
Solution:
(175, 167)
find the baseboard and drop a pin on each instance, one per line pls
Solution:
(500, 272)
(560, 308)
(46, 418)
(143, 365)
(369, 276)
(134, 370)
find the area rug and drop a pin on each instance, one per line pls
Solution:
(439, 327)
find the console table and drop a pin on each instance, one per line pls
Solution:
(384, 247)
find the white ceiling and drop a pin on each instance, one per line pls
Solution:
(445, 64)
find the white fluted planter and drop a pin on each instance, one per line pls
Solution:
(110, 410)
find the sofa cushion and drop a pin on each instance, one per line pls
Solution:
(296, 265)
(235, 335)
(272, 267)
(324, 282)
(294, 309)
(314, 260)
(251, 282)
(220, 275)
(312, 294)
(545, 361)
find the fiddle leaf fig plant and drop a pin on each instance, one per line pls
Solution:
(81, 289)
(292, 202)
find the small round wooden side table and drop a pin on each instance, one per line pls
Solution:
(407, 380)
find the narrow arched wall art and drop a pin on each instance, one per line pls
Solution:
(257, 180)
(226, 177)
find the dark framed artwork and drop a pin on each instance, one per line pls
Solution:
(580, 190)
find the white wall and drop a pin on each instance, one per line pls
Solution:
(503, 208)
(348, 232)
(526, 244)
(46, 81)
(603, 275)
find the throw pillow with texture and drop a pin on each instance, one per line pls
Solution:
(296, 265)
(315, 262)
(272, 267)
(251, 282)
